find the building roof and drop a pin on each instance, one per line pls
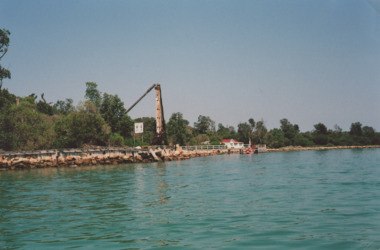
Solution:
(230, 140)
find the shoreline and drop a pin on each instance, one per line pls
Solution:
(99, 156)
(107, 156)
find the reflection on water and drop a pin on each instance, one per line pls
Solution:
(320, 199)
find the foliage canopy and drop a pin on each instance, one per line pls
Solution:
(4, 44)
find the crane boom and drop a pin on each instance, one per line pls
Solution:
(154, 85)
(160, 133)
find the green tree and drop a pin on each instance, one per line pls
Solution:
(259, 133)
(113, 112)
(44, 107)
(252, 123)
(24, 128)
(233, 132)
(203, 125)
(63, 107)
(320, 134)
(320, 128)
(115, 140)
(4, 44)
(289, 130)
(215, 138)
(356, 129)
(275, 138)
(320, 139)
(177, 129)
(302, 139)
(368, 131)
(87, 107)
(81, 127)
(223, 131)
(244, 132)
(93, 94)
(7, 99)
(226, 132)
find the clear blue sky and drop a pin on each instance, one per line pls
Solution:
(307, 61)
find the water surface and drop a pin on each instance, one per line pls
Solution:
(283, 200)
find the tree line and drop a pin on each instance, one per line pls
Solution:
(287, 134)
(29, 123)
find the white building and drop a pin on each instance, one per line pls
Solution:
(232, 143)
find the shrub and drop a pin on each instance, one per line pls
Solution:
(115, 140)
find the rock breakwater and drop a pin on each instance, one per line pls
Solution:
(97, 156)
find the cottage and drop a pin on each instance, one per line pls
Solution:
(232, 143)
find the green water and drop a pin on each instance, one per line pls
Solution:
(285, 200)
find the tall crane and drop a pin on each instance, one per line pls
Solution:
(160, 133)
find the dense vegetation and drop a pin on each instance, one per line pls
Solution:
(28, 123)
(287, 135)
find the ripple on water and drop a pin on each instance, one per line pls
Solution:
(322, 200)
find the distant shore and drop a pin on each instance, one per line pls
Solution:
(299, 148)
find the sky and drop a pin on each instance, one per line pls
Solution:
(231, 60)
